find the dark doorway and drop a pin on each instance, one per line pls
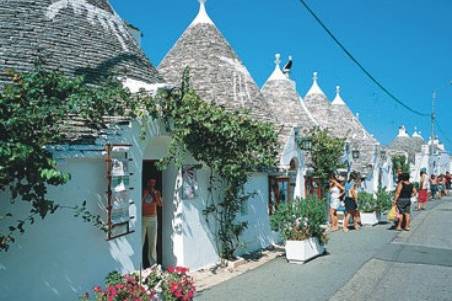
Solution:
(150, 171)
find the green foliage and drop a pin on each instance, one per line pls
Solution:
(301, 219)
(35, 106)
(400, 162)
(367, 202)
(113, 278)
(326, 153)
(33, 111)
(230, 143)
(384, 200)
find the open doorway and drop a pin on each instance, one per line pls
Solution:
(150, 171)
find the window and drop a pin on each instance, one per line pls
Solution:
(118, 199)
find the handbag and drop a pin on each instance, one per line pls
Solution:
(392, 214)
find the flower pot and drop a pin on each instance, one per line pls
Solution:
(299, 251)
(369, 218)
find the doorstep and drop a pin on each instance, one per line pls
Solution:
(207, 278)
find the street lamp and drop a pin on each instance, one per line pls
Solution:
(383, 155)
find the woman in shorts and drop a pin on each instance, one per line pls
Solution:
(405, 190)
(336, 190)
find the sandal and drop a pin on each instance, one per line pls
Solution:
(398, 229)
(346, 230)
(407, 229)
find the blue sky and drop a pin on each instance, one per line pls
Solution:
(406, 44)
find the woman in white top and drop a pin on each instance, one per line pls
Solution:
(336, 191)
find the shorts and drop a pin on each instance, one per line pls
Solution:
(404, 206)
(350, 204)
(334, 204)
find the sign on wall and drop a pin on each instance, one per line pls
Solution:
(118, 197)
(189, 182)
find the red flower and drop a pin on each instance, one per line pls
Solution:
(171, 269)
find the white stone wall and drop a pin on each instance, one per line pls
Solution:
(61, 257)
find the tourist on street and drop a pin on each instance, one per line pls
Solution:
(442, 185)
(351, 195)
(336, 190)
(448, 180)
(151, 200)
(405, 190)
(433, 186)
(423, 191)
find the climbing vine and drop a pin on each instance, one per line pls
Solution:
(230, 143)
(34, 110)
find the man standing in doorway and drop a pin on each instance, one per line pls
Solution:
(151, 200)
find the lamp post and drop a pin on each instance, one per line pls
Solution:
(355, 154)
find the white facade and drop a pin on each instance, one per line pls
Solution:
(61, 257)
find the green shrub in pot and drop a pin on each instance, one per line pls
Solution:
(301, 219)
(367, 202)
(384, 200)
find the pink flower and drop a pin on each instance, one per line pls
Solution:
(171, 269)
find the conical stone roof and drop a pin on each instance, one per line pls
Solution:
(403, 142)
(317, 103)
(79, 37)
(216, 72)
(350, 128)
(284, 102)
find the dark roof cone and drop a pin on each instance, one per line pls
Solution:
(79, 37)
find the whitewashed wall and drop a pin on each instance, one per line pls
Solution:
(62, 257)
(258, 235)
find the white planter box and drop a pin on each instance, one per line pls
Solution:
(300, 251)
(369, 218)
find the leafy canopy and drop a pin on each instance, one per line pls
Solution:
(326, 153)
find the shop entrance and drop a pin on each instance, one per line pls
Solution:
(150, 171)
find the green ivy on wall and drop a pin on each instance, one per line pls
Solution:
(35, 106)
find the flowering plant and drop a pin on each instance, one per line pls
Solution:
(125, 288)
(173, 285)
(178, 285)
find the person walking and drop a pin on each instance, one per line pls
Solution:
(423, 191)
(351, 195)
(405, 190)
(448, 180)
(433, 186)
(336, 190)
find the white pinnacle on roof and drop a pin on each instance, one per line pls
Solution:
(338, 99)
(315, 89)
(277, 73)
(417, 134)
(402, 132)
(202, 17)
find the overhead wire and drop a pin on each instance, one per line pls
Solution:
(360, 66)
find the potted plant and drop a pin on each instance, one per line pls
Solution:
(384, 202)
(368, 206)
(301, 225)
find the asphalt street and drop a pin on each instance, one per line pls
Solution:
(375, 263)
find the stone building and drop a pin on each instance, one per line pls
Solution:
(61, 257)
(218, 76)
(430, 155)
(290, 112)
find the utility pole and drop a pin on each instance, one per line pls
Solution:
(433, 124)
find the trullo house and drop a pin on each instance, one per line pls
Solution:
(61, 257)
